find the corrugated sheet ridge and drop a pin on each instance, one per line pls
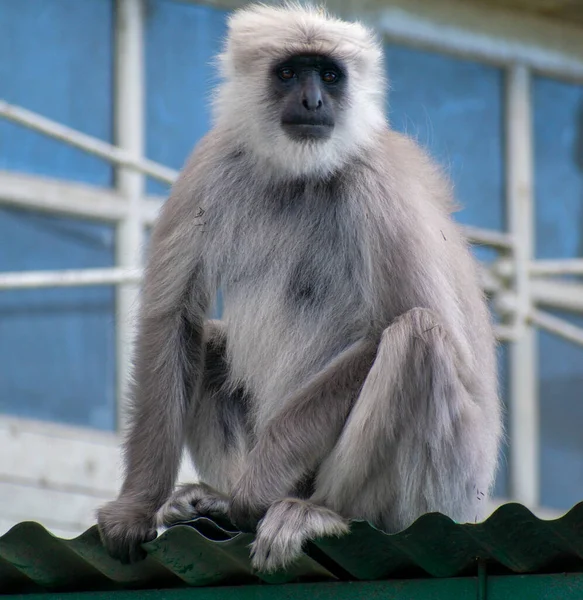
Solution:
(203, 553)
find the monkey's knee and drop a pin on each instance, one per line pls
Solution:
(422, 324)
(440, 378)
(422, 335)
(420, 344)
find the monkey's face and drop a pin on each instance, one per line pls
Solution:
(302, 92)
(308, 92)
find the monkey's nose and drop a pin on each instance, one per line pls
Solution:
(312, 99)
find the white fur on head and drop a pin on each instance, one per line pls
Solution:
(260, 35)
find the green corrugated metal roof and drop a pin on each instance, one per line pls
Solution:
(203, 554)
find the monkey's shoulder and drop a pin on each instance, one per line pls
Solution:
(413, 171)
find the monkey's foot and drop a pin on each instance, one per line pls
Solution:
(123, 528)
(190, 501)
(284, 529)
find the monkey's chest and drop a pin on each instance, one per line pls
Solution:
(291, 301)
(308, 266)
(300, 282)
(279, 335)
(310, 286)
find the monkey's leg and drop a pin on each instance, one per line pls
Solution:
(217, 437)
(414, 442)
(420, 437)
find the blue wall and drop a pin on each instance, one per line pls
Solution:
(57, 346)
(181, 41)
(454, 108)
(558, 124)
(56, 59)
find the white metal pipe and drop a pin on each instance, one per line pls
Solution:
(504, 333)
(62, 197)
(566, 266)
(558, 326)
(488, 280)
(488, 237)
(503, 267)
(68, 278)
(571, 266)
(129, 133)
(524, 413)
(30, 192)
(85, 142)
(504, 302)
(566, 295)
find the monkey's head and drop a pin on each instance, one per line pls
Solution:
(302, 91)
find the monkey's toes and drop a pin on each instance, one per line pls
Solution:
(287, 525)
(191, 501)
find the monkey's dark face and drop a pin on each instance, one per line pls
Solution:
(308, 91)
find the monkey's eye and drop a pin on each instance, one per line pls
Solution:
(329, 76)
(286, 73)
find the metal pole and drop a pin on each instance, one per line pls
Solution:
(129, 133)
(524, 410)
(68, 278)
(569, 266)
(558, 326)
(85, 142)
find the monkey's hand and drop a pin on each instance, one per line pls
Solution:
(124, 527)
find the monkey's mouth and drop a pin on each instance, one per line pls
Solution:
(308, 131)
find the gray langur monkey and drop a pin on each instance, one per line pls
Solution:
(353, 373)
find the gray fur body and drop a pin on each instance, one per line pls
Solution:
(353, 373)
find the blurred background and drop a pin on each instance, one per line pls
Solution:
(100, 103)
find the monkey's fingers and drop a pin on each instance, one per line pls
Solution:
(131, 551)
(127, 546)
(123, 536)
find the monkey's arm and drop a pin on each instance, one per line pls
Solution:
(167, 365)
(298, 438)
